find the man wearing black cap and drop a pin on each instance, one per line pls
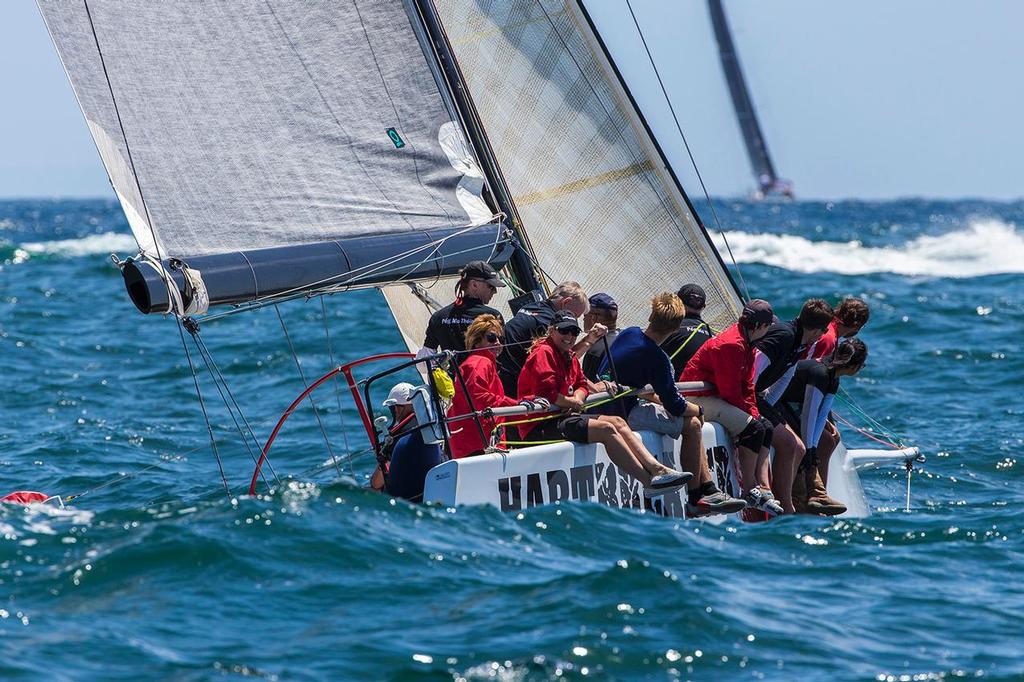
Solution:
(603, 310)
(478, 282)
(693, 331)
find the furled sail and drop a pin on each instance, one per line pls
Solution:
(593, 190)
(245, 126)
(753, 139)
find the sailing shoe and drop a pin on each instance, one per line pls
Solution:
(714, 503)
(818, 500)
(756, 498)
(668, 482)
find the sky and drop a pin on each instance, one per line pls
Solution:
(872, 100)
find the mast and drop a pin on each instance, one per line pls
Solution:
(520, 262)
(753, 139)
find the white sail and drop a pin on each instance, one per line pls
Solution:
(590, 184)
(227, 126)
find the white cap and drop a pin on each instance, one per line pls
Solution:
(401, 394)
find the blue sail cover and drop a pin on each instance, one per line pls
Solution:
(238, 126)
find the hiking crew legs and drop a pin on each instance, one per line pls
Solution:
(789, 452)
(691, 454)
(748, 435)
(625, 448)
(826, 446)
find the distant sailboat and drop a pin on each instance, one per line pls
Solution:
(768, 183)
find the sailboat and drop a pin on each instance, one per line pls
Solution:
(265, 152)
(768, 182)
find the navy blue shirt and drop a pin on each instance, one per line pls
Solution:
(640, 361)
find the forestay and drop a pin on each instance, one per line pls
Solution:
(589, 182)
(244, 125)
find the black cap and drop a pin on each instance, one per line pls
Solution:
(693, 296)
(756, 313)
(564, 320)
(604, 302)
(482, 270)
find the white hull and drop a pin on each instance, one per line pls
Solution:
(545, 474)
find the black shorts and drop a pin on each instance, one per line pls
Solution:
(572, 427)
(791, 412)
(770, 412)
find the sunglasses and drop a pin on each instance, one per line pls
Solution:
(489, 285)
(571, 331)
(494, 338)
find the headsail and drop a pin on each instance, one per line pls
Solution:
(757, 150)
(595, 194)
(231, 127)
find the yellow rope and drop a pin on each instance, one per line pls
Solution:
(688, 339)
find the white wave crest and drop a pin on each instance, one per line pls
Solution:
(106, 242)
(985, 247)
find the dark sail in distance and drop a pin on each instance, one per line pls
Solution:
(767, 181)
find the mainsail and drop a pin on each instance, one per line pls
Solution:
(597, 199)
(753, 139)
(266, 127)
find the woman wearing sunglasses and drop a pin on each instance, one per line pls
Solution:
(479, 372)
(552, 372)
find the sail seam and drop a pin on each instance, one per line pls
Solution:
(585, 183)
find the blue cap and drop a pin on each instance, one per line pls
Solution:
(603, 301)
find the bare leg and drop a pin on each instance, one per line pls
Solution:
(789, 450)
(826, 446)
(605, 433)
(636, 446)
(748, 467)
(691, 455)
(764, 463)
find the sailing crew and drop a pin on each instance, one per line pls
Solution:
(727, 361)
(446, 330)
(603, 310)
(806, 405)
(399, 404)
(775, 358)
(478, 389)
(552, 372)
(532, 322)
(693, 331)
(850, 316)
(638, 360)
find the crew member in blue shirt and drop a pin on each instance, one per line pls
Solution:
(638, 360)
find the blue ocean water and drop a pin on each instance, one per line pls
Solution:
(155, 573)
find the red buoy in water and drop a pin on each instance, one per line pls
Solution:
(25, 497)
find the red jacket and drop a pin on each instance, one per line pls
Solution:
(826, 344)
(480, 372)
(727, 361)
(549, 373)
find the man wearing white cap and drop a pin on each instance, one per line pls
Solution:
(399, 403)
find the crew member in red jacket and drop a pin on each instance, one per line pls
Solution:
(727, 361)
(552, 372)
(479, 372)
(850, 316)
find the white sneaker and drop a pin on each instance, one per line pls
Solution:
(764, 500)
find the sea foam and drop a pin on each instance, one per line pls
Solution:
(104, 243)
(985, 247)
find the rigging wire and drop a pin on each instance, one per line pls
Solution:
(225, 393)
(206, 416)
(337, 386)
(679, 127)
(305, 384)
